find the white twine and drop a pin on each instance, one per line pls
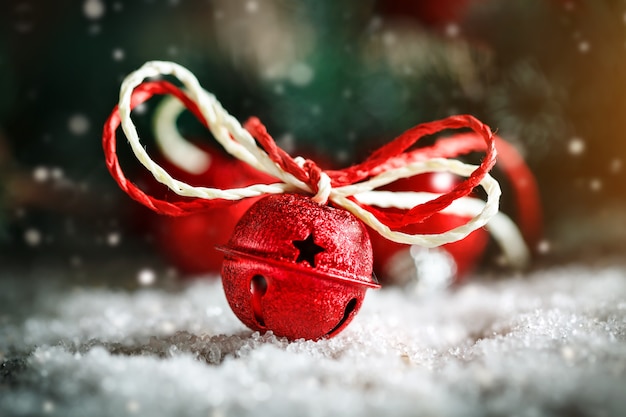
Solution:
(243, 146)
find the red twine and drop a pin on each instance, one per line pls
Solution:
(392, 155)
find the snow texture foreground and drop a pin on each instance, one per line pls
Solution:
(552, 342)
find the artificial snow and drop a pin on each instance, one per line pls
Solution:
(549, 342)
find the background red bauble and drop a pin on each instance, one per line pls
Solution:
(188, 242)
(431, 12)
(297, 268)
(464, 253)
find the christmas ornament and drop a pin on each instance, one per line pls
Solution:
(350, 190)
(433, 268)
(297, 267)
(436, 268)
(189, 242)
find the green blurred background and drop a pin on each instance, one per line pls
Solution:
(330, 79)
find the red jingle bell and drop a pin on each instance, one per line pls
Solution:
(297, 268)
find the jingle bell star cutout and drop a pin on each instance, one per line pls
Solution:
(307, 249)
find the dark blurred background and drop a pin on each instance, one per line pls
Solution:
(334, 79)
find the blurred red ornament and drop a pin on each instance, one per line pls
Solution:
(463, 254)
(391, 259)
(431, 12)
(188, 242)
(297, 267)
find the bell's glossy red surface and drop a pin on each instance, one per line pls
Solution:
(297, 268)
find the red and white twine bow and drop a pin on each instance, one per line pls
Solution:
(351, 188)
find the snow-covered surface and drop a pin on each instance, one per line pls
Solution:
(550, 342)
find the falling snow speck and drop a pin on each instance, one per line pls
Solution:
(32, 237)
(93, 9)
(576, 146)
(56, 173)
(78, 124)
(375, 23)
(41, 174)
(252, 6)
(544, 247)
(301, 74)
(343, 155)
(595, 184)
(584, 47)
(389, 38)
(113, 239)
(279, 89)
(140, 109)
(287, 142)
(94, 29)
(146, 277)
(118, 54)
(47, 407)
(616, 165)
(453, 30)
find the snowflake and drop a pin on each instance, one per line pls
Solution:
(93, 9)
(78, 124)
(32, 237)
(118, 54)
(584, 47)
(41, 174)
(301, 74)
(576, 146)
(146, 277)
(113, 239)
